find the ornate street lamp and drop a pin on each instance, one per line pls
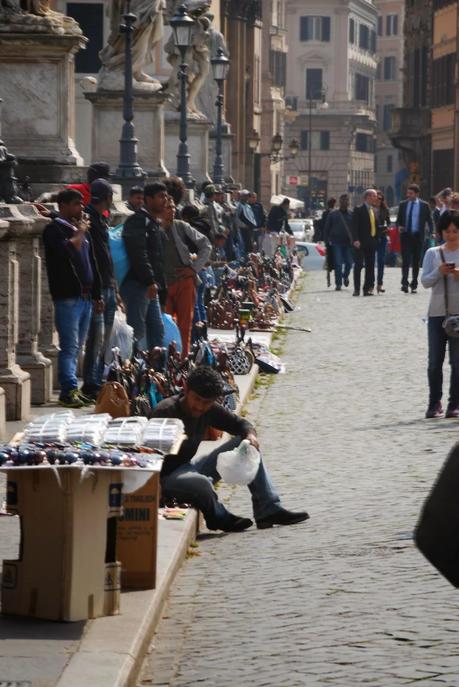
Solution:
(220, 68)
(182, 26)
(128, 166)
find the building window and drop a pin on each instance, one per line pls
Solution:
(443, 80)
(313, 84)
(364, 143)
(90, 17)
(389, 163)
(351, 31)
(373, 41)
(362, 88)
(278, 67)
(387, 117)
(315, 29)
(418, 61)
(380, 26)
(320, 140)
(391, 25)
(364, 37)
(390, 67)
(378, 71)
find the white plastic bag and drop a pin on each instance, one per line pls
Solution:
(122, 337)
(240, 465)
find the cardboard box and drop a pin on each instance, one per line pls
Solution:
(66, 527)
(137, 536)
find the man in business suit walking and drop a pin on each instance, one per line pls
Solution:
(413, 215)
(365, 241)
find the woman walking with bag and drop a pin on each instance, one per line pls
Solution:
(440, 272)
(383, 223)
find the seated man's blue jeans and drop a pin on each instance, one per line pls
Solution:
(193, 483)
(343, 259)
(72, 317)
(142, 314)
(99, 334)
(438, 340)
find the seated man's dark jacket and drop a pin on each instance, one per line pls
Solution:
(143, 239)
(72, 273)
(195, 427)
(98, 230)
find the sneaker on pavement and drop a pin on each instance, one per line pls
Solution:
(282, 517)
(346, 282)
(71, 399)
(452, 411)
(435, 411)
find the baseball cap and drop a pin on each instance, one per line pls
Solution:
(101, 189)
(98, 170)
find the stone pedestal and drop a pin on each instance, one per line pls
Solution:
(14, 380)
(107, 122)
(31, 289)
(198, 145)
(37, 88)
(2, 415)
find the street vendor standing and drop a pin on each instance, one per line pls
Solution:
(191, 480)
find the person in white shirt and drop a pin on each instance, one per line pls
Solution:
(441, 268)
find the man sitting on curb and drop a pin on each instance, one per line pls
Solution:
(190, 481)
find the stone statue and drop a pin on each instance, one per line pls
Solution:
(35, 16)
(8, 182)
(207, 95)
(148, 31)
(197, 58)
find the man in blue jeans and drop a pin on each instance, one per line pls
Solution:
(338, 235)
(145, 283)
(191, 480)
(101, 325)
(75, 287)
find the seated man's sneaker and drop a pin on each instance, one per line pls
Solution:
(281, 517)
(71, 399)
(86, 400)
(236, 524)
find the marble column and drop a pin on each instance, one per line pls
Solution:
(13, 379)
(30, 358)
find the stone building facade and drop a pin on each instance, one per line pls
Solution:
(331, 94)
(390, 170)
(411, 123)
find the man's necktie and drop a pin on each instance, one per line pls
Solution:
(372, 223)
(409, 221)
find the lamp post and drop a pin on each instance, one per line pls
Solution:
(274, 154)
(311, 104)
(220, 68)
(128, 166)
(182, 26)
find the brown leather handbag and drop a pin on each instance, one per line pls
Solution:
(113, 399)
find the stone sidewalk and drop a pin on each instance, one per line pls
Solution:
(344, 599)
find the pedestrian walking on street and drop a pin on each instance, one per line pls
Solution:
(319, 225)
(338, 235)
(75, 287)
(144, 282)
(413, 215)
(383, 222)
(365, 235)
(101, 325)
(191, 480)
(440, 272)
(180, 269)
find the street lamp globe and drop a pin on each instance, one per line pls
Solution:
(253, 140)
(276, 143)
(182, 26)
(220, 66)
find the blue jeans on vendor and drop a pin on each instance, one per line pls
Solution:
(438, 341)
(100, 330)
(193, 483)
(142, 314)
(343, 260)
(381, 258)
(72, 317)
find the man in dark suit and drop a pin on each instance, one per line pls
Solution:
(365, 241)
(413, 215)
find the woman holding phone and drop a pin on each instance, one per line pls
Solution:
(440, 269)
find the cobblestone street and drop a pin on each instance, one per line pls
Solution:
(344, 599)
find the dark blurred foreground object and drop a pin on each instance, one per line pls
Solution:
(437, 531)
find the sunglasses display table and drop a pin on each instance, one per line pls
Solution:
(68, 567)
